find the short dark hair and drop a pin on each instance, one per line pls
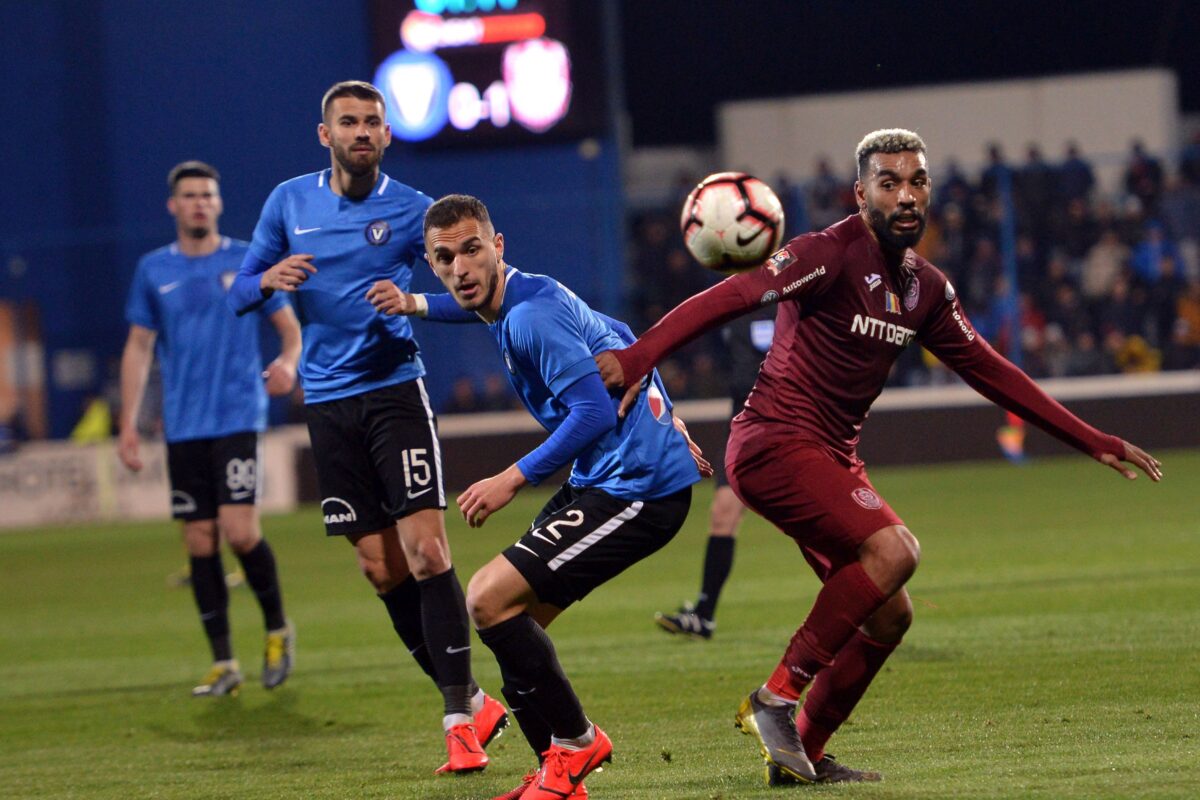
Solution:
(886, 140)
(191, 169)
(454, 208)
(360, 89)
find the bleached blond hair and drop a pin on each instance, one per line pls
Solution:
(886, 140)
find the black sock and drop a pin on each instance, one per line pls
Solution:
(403, 605)
(448, 636)
(527, 659)
(212, 599)
(259, 565)
(533, 725)
(718, 561)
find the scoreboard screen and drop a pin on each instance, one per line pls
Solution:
(490, 72)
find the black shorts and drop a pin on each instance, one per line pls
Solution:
(377, 456)
(584, 537)
(207, 473)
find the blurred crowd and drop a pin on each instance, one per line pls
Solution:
(1082, 281)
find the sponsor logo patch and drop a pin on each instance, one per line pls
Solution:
(769, 296)
(949, 292)
(182, 502)
(780, 261)
(912, 294)
(336, 510)
(885, 331)
(867, 499)
(796, 284)
(508, 363)
(873, 281)
(378, 232)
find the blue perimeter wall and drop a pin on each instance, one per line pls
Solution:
(107, 96)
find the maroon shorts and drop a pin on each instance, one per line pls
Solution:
(814, 494)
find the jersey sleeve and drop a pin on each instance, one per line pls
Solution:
(552, 336)
(949, 335)
(140, 306)
(802, 270)
(270, 241)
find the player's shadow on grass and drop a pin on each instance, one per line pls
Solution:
(228, 718)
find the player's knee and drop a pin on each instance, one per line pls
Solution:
(892, 621)
(242, 539)
(482, 606)
(428, 556)
(375, 570)
(200, 537)
(891, 557)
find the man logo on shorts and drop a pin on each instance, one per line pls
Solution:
(182, 502)
(867, 499)
(335, 514)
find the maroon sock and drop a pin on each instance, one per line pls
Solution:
(846, 601)
(836, 691)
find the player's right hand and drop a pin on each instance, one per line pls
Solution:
(128, 446)
(388, 298)
(287, 275)
(1139, 458)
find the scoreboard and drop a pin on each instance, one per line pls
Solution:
(490, 72)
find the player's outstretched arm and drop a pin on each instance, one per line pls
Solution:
(1137, 457)
(613, 375)
(390, 299)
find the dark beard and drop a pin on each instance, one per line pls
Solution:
(883, 229)
(346, 162)
(490, 291)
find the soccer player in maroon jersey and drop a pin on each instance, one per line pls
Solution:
(851, 298)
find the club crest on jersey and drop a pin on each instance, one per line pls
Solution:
(890, 302)
(867, 499)
(912, 293)
(873, 281)
(780, 261)
(657, 404)
(227, 279)
(378, 232)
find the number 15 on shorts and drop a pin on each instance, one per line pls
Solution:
(417, 472)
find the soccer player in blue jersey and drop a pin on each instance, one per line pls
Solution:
(628, 494)
(328, 238)
(214, 408)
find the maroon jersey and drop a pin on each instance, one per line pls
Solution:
(844, 318)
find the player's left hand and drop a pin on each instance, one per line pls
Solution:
(388, 298)
(280, 377)
(484, 498)
(1139, 458)
(702, 464)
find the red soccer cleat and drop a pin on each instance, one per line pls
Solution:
(466, 754)
(563, 770)
(581, 792)
(491, 721)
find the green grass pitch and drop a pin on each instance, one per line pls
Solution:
(1054, 655)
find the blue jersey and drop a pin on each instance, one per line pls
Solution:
(548, 336)
(349, 347)
(210, 360)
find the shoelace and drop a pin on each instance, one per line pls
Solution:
(556, 760)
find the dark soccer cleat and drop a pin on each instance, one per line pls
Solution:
(828, 770)
(563, 770)
(279, 656)
(778, 741)
(222, 679)
(491, 721)
(685, 621)
(518, 792)
(464, 751)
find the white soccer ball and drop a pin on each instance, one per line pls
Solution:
(731, 222)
